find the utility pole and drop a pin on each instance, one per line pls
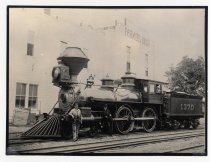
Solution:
(128, 65)
(147, 63)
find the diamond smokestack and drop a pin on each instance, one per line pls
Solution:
(75, 59)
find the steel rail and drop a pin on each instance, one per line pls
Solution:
(24, 141)
(126, 144)
(158, 131)
(184, 149)
(87, 147)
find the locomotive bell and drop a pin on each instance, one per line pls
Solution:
(75, 59)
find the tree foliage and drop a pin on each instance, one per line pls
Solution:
(188, 76)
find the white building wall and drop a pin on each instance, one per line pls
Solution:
(120, 39)
(106, 51)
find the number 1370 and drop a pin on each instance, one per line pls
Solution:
(186, 107)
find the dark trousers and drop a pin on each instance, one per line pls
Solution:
(109, 125)
(75, 130)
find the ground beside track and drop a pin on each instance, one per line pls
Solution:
(175, 146)
(165, 147)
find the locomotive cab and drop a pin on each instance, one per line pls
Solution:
(151, 90)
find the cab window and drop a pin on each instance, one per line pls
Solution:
(151, 88)
(158, 88)
(145, 89)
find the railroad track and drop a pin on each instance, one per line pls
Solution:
(186, 149)
(13, 135)
(19, 141)
(91, 147)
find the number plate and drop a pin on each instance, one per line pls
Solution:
(187, 107)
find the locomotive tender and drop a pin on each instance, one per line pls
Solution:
(135, 104)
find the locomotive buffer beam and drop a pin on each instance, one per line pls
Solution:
(134, 119)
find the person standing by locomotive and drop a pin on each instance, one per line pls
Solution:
(75, 113)
(108, 119)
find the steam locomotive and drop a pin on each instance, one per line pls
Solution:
(135, 104)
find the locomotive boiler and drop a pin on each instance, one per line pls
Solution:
(135, 104)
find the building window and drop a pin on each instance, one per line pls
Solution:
(32, 98)
(20, 95)
(30, 43)
(26, 95)
(30, 49)
(47, 11)
(146, 73)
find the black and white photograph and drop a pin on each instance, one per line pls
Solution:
(106, 81)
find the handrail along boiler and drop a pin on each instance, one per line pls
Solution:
(135, 104)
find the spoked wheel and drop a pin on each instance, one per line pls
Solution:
(187, 124)
(93, 131)
(124, 124)
(150, 124)
(175, 124)
(195, 123)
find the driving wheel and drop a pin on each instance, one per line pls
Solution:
(124, 124)
(149, 124)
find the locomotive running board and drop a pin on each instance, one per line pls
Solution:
(138, 119)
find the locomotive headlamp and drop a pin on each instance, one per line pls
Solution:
(56, 72)
(60, 75)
